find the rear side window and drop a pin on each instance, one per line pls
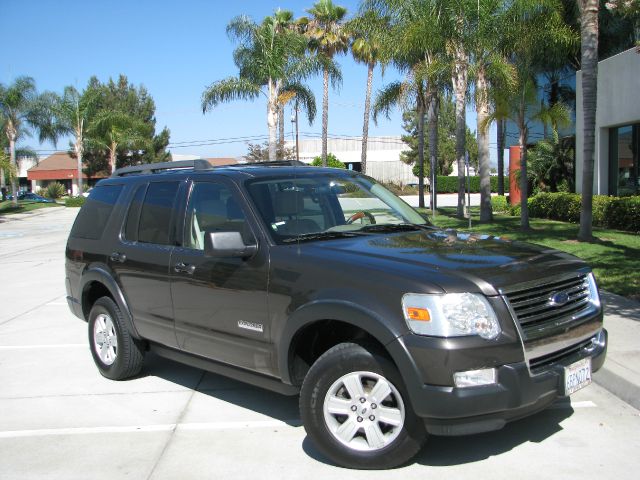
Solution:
(94, 214)
(155, 216)
(131, 225)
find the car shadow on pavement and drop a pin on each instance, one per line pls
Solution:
(265, 402)
(447, 451)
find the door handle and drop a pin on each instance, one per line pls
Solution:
(184, 268)
(118, 257)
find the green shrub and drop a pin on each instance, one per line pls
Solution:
(332, 162)
(74, 201)
(54, 190)
(621, 213)
(500, 203)
(448, 184)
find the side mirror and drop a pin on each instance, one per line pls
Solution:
(227, 245)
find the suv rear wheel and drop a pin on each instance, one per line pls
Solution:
(355, 409)
(116, 354)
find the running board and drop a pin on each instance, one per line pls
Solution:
(236, 373)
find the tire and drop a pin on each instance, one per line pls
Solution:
(116, 354)
(355, 409)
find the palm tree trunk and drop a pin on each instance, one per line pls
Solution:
(280, 152)
(524, 184)
(460, 90)
(420, 112)
(482, 110)
(14, 164)
(500, 141)
(79, 152)
(365, 123)
(272, 112)
(112, 156)
(589, 63)
(325, 114)
(432, 124)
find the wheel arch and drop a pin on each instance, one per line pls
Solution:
(97, 282)
(316, 327)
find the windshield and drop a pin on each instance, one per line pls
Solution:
(328, 205)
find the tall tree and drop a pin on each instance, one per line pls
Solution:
(72, 113)
(327, 38)
(367, 31)
(535, 28)
(266, 57)
(111, 101)
(490, 70)
(589, 62)
(23, 110)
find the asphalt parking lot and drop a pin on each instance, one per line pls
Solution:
(59, 419)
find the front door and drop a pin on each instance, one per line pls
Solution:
(220, 304)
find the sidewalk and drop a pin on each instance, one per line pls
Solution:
(621, 371)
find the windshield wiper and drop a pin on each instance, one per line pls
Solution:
(305, 237)
(393, 227)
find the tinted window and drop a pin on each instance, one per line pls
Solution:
(131, 226)
(212, 208)
(155, 217)
(94, 214)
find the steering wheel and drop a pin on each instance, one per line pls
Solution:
(360, 215)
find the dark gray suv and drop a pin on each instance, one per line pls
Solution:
(320, 282)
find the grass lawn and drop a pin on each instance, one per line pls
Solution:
(7, 208)
(615, 257)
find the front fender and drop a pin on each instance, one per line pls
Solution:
(373, 323)
(101, 274)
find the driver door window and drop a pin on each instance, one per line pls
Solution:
(211, 208)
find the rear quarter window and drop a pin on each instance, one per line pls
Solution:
(94, 214)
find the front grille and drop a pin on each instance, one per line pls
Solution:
(564, 356)
(539, 317)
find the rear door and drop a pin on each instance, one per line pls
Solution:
(220, 304)
(141, 258)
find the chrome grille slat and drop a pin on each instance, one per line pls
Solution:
(535, 314)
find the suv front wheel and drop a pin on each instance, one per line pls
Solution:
(355, 409)
(116, 354)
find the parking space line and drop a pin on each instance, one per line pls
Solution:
(574, 405)
(53, 345)
(150, 428)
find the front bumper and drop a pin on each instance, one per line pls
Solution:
(448, 410)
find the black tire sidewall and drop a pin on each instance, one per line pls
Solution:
(336, 362)
(118, 369)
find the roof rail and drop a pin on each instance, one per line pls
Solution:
(147, 168)
(275, 163)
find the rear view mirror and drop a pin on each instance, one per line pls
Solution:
(227, 245)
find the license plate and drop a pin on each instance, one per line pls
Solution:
(577, 376)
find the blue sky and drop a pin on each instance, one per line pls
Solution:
(175, 49)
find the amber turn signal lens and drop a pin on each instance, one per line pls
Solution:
(421, 314)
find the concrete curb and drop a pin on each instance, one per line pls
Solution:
(619, 386)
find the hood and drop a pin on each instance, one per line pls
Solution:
(442, 256)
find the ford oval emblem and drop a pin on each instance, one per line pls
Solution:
(558, 299)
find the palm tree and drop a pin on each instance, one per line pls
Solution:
(72, 112)
(589, 63)
(367, 31)
(113, 130)
(327, 38)
(535, 26)
(22, 109)
(490, 69)
(268, 55)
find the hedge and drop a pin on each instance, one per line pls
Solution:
(74, 201)
(620, 213)
(449, 184)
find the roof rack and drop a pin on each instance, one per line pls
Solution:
(156, 167)
(274, 163)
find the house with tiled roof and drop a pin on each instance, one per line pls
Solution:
(59, 167)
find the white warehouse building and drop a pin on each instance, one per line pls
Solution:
(383, 156)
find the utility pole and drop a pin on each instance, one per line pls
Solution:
(466, 161)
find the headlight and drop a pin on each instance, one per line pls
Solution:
(594, 295)
(450, 315)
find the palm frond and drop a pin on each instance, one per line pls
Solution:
(232, 88)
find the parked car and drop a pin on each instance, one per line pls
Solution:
(321, 283)
(31, 197)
